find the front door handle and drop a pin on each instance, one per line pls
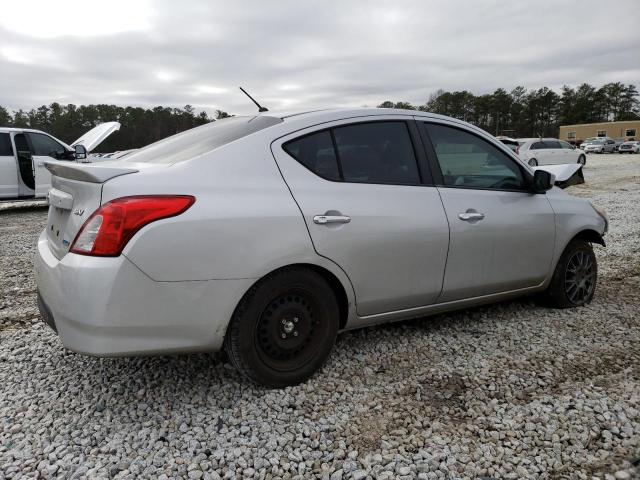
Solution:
(326, 219)
(470, 216)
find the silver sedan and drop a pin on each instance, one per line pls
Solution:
(266, 235)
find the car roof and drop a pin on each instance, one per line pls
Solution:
(14, 129)
(300, 119)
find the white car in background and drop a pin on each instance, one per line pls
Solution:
(549, 151)
(600, 145)
(23, 152)
(629, 147)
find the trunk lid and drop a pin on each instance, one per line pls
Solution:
(76, 192)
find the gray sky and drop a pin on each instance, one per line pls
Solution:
(300, 54)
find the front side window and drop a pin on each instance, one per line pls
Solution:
(316, 152)
(6, 150)
(379, 152)
(468, 161)
(566, 146)
(373, 152)
(552, 144)
(46, 146)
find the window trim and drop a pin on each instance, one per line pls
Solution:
(627, 130)
(425, 177)
(571, 135)
(437, 171)
(598, 132)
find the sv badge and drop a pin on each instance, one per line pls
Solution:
(79, 211)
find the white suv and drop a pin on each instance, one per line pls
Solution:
(23, 152)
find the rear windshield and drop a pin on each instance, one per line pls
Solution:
(192, 143)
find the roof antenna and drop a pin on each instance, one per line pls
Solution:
(260, 107)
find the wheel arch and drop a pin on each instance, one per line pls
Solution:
(337, 286)
(588, 235)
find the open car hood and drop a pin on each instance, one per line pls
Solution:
(565, 175)
(96, 135)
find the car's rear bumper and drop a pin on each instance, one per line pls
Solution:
(108, 307)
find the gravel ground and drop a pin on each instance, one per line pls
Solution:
(506, 391)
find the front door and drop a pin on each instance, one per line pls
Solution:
(44, 148)
(8, 168)
(25, 165)
(360, 189)
(502, 236)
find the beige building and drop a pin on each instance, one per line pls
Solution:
(628, 129)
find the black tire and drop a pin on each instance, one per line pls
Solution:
(582, 160)
(533, 162)
(575, 277)
(283, 329)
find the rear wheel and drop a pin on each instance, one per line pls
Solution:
(533, 162)
(283, 329)
(574, 279)
(582, 160)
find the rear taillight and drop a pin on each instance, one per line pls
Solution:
(517, 150)
(107, 231)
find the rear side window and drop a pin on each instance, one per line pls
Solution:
(379, 152)
(552, 144)
(374, 152)
(197, 141)
(6, 150)
(537, 146)
(316, 152)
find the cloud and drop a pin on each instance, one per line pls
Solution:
(290, 54)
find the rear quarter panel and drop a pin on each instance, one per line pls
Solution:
(243, 224)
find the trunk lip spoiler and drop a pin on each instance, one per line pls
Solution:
(92, 173)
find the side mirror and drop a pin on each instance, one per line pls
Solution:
(542, 181)
(81, 152)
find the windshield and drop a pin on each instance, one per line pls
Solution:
(192, 143)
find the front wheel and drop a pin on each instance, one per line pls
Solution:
(582, 160)
(284, 328)
(533, 162)
(574, 280)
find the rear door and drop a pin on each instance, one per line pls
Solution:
(554, 153)
(363, 190)
(538, 150)
(8, 168)
(502, 236)
(44, 148)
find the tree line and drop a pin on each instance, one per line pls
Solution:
(518, 113)
(139, 126)
(536, 112)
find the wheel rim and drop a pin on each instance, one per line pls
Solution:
(290, 330)
(582, 160)
(580, 278)
(533, 162)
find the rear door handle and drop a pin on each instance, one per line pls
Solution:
(325, 219)
(469, 216)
